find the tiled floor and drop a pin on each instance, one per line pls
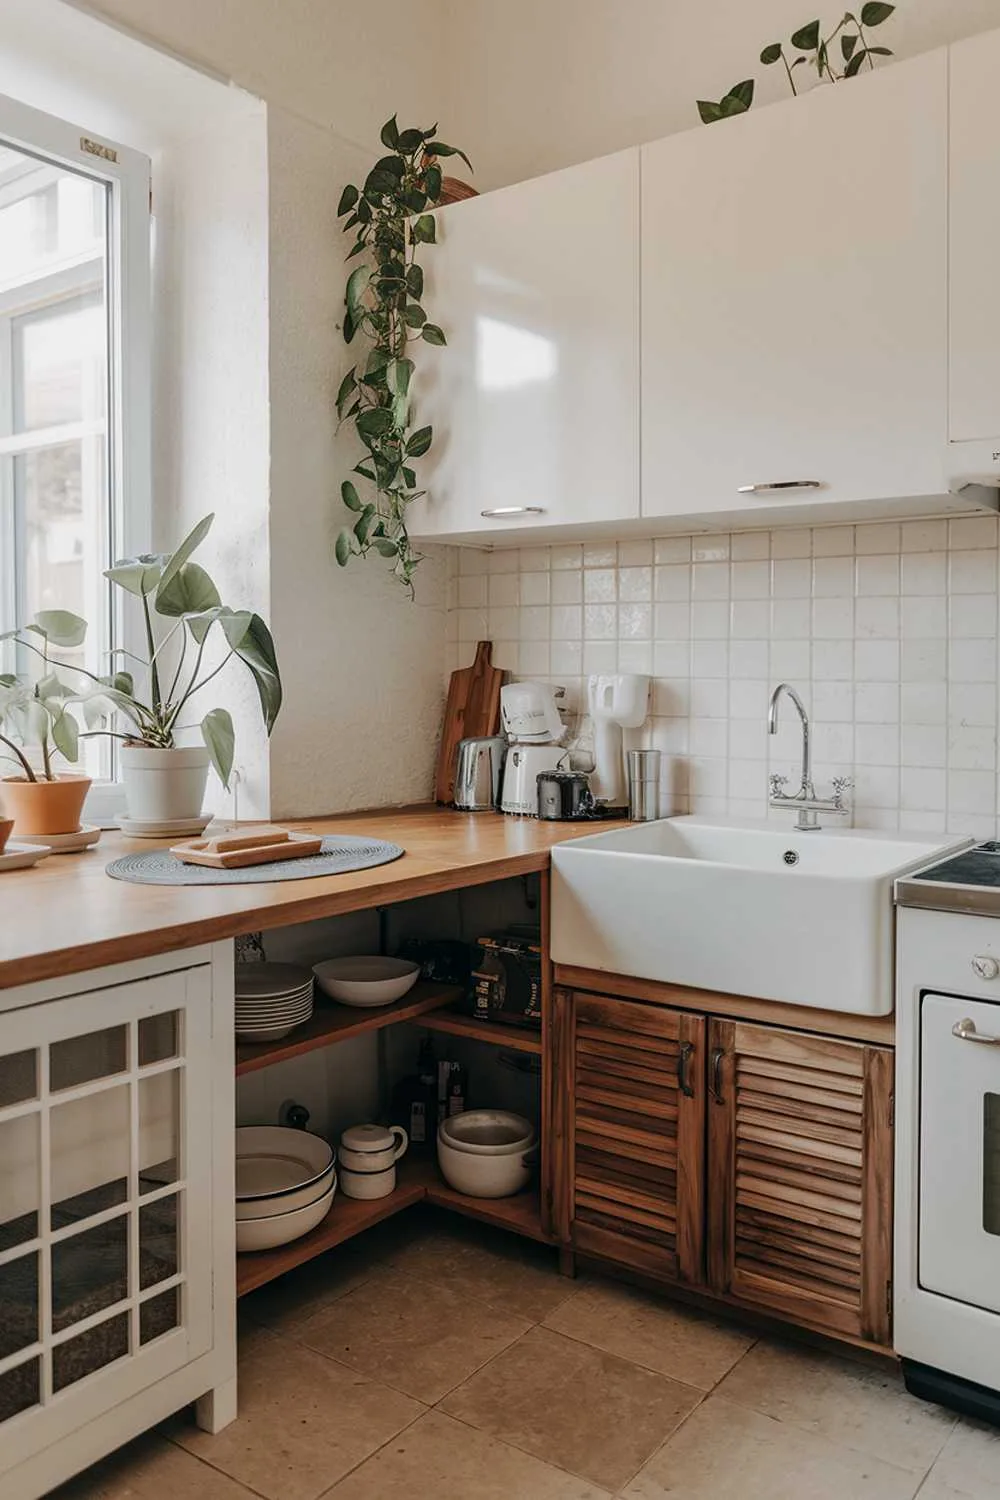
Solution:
(432, 1358)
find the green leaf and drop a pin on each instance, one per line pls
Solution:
(191, 542)
(50, 690)
(189, 592)
(743, 92)
(733, 104)
(424, 230)
(349, 495)
(433, 180)
(398, 376)
(377, 361)
(357, 285)
(415, 281)
(414, 316)
(389, 134)
(364, 524)
(60, 627)
(415, 200)
(807, 37)
(385, 547)
(392, 166)
(409, 478)
(880, 51)
(438, 148)
(347, 386)
(138, 575)
(410, 140)
(875, 12)
(366, 471)
(255, 649)
(419, 442)
(771, 54)
(375, 422)
(709, 112)
(344, 546)
(220, 742)
(66, 736)
(848, 42)
(432, 334)
(348, 199)
(855, 63)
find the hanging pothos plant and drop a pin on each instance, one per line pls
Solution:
(390, 219)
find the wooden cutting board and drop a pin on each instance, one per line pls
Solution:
(472, 709)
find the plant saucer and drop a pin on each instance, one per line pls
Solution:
(20, 856)
(65, 843)
(138, 828)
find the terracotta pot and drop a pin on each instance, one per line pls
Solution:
(164, 786)
(40, 807)
(6, 829)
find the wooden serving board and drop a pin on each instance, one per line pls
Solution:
(472, 709)
(255, 847)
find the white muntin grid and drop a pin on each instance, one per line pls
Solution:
(135, 1078)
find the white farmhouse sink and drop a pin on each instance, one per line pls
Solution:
(742, 908)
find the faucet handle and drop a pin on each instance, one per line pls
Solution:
(841, 784)
(778, 783)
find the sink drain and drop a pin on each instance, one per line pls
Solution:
(790, 857)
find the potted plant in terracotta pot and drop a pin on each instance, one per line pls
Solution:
(182, 614)
(36, 727)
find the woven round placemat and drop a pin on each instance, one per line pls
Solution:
(338, 856)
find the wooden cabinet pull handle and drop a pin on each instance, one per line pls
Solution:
(715, 1086)
(683, 1058)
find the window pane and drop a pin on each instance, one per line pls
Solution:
(60, 363)
(47, 215)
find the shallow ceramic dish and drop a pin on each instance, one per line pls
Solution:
(488, 1132)
(367, 980)
(85, 837)
(270, 981)
(275, 1159)
(281, 1229)
(250, 1209)
(20, 856)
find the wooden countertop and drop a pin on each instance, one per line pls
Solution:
(66, 915)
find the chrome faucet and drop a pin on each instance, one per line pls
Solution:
(804, 801)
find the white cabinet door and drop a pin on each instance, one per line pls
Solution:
(535, 401)
(974, 183)
(106, 1202)
(794, 286)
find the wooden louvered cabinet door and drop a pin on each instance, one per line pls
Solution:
(800, 1176)
(633, 1128)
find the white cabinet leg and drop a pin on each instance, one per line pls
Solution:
(217, 1408)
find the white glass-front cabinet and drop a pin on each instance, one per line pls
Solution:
(535, 401)
(794, 301)
(974, 182)
(113, 1167)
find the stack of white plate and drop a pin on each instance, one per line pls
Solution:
(271, 1000)
(285, 1182)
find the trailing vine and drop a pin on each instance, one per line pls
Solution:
(390, 218)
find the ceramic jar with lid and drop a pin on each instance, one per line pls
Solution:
(368, 1155)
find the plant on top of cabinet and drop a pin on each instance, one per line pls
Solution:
(383, 297)
(817, 52)
(41, 799)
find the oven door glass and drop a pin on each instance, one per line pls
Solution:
(960, 1150)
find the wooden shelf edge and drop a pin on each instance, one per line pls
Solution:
(331, 1023)
(511, 1038)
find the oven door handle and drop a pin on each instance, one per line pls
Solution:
(966, 1032)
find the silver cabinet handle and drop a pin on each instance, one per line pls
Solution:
(776, 486)
(505, 512)
(966, 1032)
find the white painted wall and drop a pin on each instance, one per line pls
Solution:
(534, 87)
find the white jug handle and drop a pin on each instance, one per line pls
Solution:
(404, 1140)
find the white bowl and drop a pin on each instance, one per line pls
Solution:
(367, 980)
(273, 1160)
(281, 1229)
(488, 1132)
(485, 1176)
(268, 1207)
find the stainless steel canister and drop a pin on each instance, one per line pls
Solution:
(643, 785)
(478, 764)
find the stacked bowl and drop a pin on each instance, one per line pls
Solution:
(285, 1183)
(271, 1000)
(487, 1153)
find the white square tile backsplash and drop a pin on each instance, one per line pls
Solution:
(888, 630)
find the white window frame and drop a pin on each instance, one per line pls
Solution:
(128, 289)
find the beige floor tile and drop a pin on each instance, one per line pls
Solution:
(574, 1405)
(293, 1299)
(304, 1421)
(151, 1469)
(420, 1336)
(969, 1465)
(859, 1405)
(509, 1273)
(438, 1458)
(648, 1330)
(727, 1452)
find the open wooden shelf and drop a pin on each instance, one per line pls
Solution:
(332, 1023)
(417, 1181)
(511, 1038)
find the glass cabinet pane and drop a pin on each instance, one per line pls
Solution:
(89, 1273)
(159, 1315)
(18, 1078)
(159, 1130)
(19, 1388)
(89, 1351)
(90, 1155)
(80, 1059)
(18, 1304)
(157, 1242)
(158, 1038)
(19, 1180)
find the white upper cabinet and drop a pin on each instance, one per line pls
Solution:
(974, 415)
(535, 401)
(794, 301)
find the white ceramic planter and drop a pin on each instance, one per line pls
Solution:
(164, 786)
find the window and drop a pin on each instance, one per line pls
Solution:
(74, 387)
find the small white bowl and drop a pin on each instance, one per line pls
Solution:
(488, 1132)
(281, 1229)
(485, 1176)
(367, 980)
